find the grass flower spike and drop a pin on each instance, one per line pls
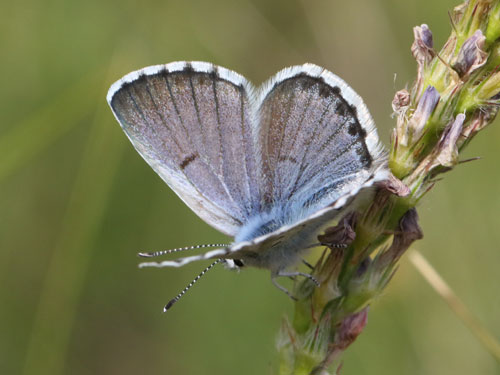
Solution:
(455, 96)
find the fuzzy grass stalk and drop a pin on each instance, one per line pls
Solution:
(455, 95)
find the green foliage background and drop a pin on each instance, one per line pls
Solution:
(77, 202)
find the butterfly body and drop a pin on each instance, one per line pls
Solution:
(283, 249)
(269, 166)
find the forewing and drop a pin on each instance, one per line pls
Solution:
(191, 122)
(318, 139)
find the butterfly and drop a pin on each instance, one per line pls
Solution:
(269, 166)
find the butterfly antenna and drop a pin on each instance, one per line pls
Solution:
(178, 297)
(170, 251)
(333, 245)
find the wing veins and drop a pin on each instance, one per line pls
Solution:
(164, 121)
(331, 137)
(195, 103)
(348, 148)
(242, 114)
(204, 157)
(180, 149)
(324, 145)
(332, 184)
(129, 91)
(214, 83)
(175, 107)
(288, 114)
(190, 140)
(308, 146)
(301, 123)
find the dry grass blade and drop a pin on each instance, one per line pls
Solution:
(437, 283)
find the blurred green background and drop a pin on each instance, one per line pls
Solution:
(77, 202)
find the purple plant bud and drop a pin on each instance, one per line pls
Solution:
(426, 106)
(447, 147)
(363, 266)
(409, 232)
(350, 328)
(422, 47)
(426, 36)
(471, 55)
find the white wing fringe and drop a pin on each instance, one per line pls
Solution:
(218, 253)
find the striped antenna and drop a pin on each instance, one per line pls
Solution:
(163, 252)
(178, 297)
(332, 245)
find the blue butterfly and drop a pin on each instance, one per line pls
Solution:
(268, 166)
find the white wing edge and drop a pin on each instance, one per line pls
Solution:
(183, 261)
(178, 66)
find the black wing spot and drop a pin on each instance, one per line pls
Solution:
(353, 129)
(365, 157)
(307, 82)
(140, 80)
(342, 109)
(214, 74)
(336, 90)
(324, 91)
(188, 160)
(356, 129)
(327, 91)
(354, 110)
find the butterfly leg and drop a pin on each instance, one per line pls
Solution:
(274, 276)
(294, 274)
(281, 287)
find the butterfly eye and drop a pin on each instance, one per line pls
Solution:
(239, 263)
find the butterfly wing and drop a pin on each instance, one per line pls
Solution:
(192, 123)
(318, 140)
(318, 147)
